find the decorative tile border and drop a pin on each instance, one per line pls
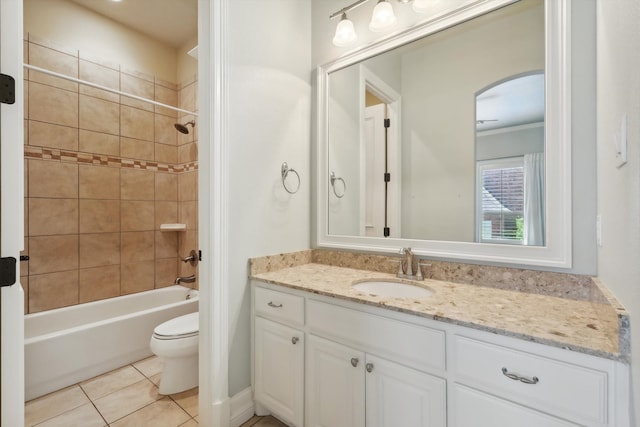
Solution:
(41, 153)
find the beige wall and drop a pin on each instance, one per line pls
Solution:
(102, 173)
(74, 26)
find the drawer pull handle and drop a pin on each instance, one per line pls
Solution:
(354, 361)
(369, 367)
(271, 304)
(295, 340)
(516, 377)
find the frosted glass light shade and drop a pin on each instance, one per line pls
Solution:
(421, 6)
(383, 17)
(345, 33)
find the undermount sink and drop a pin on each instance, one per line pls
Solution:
(385, 288)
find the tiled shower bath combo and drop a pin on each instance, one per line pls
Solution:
(103, 171)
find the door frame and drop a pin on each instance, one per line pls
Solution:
(214, 341)
(213, 178)
(12, 217)
(371, 82)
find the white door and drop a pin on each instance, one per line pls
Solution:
(335, 385)
(279, 370)
(401, 396)
(374, 154)
(11, 218)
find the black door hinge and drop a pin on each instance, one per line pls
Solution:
(7, 89)
(7, 271)
(387, 123)
(387, 232)
(199, 255)
(387, 177)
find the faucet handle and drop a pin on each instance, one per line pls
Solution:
(192, 258)
(419, 275)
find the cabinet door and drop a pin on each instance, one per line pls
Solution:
(401, 396)
(335, 384)
(279, 370)
(473, 408)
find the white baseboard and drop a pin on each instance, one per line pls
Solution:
(241, 407)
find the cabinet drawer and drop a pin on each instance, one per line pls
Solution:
(474, 408)
(279, 306)
(573, 392)
(412, 345)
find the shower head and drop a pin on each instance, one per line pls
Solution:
(182, 128)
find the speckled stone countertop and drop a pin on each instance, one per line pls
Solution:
(578, 325)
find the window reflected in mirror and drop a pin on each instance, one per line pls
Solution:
(510, 161)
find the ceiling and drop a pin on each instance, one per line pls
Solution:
(514, 102)
(173, 22)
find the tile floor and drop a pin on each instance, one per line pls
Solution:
(125, 397)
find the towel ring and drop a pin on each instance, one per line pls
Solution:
(284, 171)
(333, 185)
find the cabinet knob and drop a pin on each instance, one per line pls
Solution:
(295, 340)
(354, 361)
(369, 367)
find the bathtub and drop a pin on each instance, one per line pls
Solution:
(72, 344)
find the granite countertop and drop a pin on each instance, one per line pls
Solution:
(560, 322)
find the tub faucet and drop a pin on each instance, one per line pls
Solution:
(187, 279)
(192, 258)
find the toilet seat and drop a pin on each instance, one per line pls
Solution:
(178, 328)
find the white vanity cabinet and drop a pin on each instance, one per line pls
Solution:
(497, 381)
(279, 354)
(577, 392)
(386, 362)
(401, 396)
(335, 378)
(375, 367)
(347, 387)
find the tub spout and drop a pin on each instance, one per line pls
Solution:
(187, 279)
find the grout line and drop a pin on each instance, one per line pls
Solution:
(179, 406)
(94, 405)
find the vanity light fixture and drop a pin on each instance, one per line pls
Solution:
(345, 33)
(383, 17)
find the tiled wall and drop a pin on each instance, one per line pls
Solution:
(102, 173)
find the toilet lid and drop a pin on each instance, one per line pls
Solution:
(182, 326)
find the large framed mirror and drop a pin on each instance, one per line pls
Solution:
(452, 138)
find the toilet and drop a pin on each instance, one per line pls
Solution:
(175, 342)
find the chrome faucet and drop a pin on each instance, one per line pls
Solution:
(407, 264)
(187, 279)
(406, 267)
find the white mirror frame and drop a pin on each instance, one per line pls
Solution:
(557, 252)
